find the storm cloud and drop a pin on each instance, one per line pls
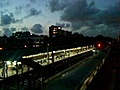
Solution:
(77, 11)
(80, 14)
(111, 15)
(57, 5)
(100, 29)
(37, 28)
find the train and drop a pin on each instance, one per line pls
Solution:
(75, 79)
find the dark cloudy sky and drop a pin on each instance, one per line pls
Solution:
(88, 17)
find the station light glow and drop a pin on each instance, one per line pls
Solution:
(8, 62)
(0, 48)
(99, 45)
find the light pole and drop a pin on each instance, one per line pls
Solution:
(53, 52)
(17, 75)
(3, 70)
(48, 52)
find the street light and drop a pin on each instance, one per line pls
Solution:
(53, 56)
(48, 52)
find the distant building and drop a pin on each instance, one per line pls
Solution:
(26, 39)
(3, 41)
(21, 34)
(56, 31)
(58, 36)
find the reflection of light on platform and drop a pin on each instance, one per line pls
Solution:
(8, 62)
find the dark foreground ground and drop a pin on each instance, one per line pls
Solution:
(108, 77)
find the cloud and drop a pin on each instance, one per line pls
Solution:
(8, 19)
(76, 11)
(24, 29)
(63, 25)
(100, 29)
(22, 8)
(27, 6)
(92, 4)
(7, 32)
(57, 5)
(32, 12)
(111, 15)
(13, 29)
(4, 3)
(81, 14)
(76, 25)
(32, 1)
(79, 10)
(18, 9)
(37, 28)
(27, 9)
(67, 25)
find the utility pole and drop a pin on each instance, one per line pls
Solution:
(17, 75)
(48, 53)
(53, 55)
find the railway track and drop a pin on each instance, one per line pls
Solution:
(108, 77)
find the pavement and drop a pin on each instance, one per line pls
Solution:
(108, 77)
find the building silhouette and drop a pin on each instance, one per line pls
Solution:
(57, 31)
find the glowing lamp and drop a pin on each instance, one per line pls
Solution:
(99, 45)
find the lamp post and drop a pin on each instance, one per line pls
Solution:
(53, 56)
(48, 53)
(3, 70)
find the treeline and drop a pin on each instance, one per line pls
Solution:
(75, 40)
